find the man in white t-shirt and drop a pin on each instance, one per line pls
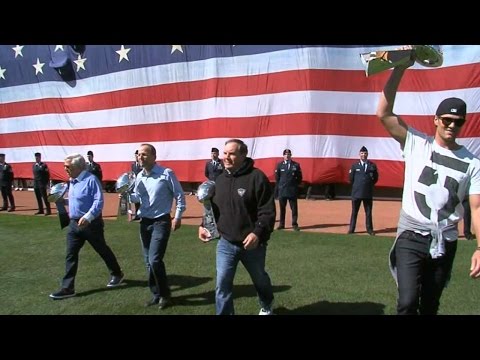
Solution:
(438, 174)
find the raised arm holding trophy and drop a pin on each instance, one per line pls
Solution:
(439, 172)
(425, 55)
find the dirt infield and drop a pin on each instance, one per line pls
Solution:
(314, 215)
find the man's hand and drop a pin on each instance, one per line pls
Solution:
(475, 266)
(83, 223)
(250, 242)
(413, 56)
(203, 234)
(176, 223)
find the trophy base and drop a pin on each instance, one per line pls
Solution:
(429, 55)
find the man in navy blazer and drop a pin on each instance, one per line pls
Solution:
(288, 176)
(363, 176)
(213, 167)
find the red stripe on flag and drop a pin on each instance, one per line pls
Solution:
(454, 77)
(277, 125)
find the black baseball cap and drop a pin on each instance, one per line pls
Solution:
(452, 106)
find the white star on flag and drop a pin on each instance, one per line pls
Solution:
(176, 47)
(38, 67)
(123, 53)
(18, 50)
(2, 72)
(80, 63)
(58, 47)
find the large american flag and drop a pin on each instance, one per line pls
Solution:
(186, 99)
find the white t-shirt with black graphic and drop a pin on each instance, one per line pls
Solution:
(437, 179)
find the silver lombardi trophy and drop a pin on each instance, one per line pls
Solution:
(124, 185)
(378, 61)
(204, 194)
(56, 196)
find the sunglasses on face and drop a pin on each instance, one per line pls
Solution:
(447, 121)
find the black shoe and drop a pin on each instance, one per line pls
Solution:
(371, 233)
(280, 227)
(38, 213)
(152, 301)
(116, 280)
(469, 237)
(296, 228)
(3, 209)
(62, 294)
(349, 232)
(11, 209)
(48, 213)
(164, 302)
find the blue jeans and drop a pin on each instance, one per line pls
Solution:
(154, 234)
(228, 256)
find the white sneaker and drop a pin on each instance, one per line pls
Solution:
(265, 311)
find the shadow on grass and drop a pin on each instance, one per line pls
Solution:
(180, 282)
(334, 308)
(208, 297)
(321, 226)
(176, 282)
(386, 230)
(126, 284)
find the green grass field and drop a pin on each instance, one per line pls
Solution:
(312, 273)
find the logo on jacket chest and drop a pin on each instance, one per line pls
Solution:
(241, 192)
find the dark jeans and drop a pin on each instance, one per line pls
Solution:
(367, 205)
(76, 238)
(41, 193)
(7, 196)
(421, 279)
(154, 234)
(293, 206)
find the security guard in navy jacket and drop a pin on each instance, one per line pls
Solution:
(6, 180)
(213, 167)
(288, 176)
(41, 179)
(94, 167)
(363, 176)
